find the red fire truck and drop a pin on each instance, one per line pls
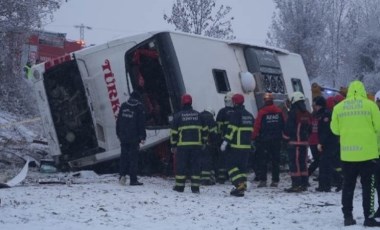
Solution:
(43, 46)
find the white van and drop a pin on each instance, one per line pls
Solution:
(79, 95)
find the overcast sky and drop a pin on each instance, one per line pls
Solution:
(117, 18)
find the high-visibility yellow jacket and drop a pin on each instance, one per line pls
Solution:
(28, 72)
(357, 121)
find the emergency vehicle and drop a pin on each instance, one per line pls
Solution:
(79, 95)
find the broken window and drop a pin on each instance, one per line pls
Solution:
(147, 75)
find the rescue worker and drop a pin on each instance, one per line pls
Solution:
(209, 151)
(327, 144)
(357, 121)
(237, 145)
(130, 129)
(222, 119)
(337, 176)
(377, 173)
(313, 142)
(28, 70)
(267, 133)
(296, 133)
(187, 135)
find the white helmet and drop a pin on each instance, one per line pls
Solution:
(210, 110)
(297, 96)
(377, 96)
(228, 99)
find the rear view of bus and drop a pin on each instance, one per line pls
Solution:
(65, 111)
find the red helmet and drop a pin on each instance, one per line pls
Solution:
(238, 99)
(186, 99)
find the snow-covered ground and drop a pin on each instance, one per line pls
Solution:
(90, 201)
(94, 202)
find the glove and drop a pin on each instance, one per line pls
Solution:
(173, 150)
(223, 146)
(320, 147)
(253, 146)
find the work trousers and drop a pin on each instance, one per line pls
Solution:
(221, 165)
(351, 171)
(377, 184)
(188, 163)
(129, 160)
(237, 164)
(326, 170)
(269, 151)
(298, 165)
(315, 164)
(208, 163)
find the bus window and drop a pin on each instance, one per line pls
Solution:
(297, 85)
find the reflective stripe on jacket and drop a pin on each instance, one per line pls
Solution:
(239, 129)
(188, 129)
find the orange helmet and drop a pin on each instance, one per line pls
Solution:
(238, 99)
(186, 99)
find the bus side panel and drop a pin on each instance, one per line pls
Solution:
(197, 69)
(105, 80)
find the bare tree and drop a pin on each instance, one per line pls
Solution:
(200, 17)
(17, 20)
(297, 26)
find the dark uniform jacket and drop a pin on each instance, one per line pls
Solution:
(239, 129)
(222, 119)
(188, 129)
(325, 135)
(130, 123)
(212, 127)
(269, 123)
(298, 125)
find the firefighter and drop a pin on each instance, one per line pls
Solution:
(209, 151)
(357, 121)
(130, 129)
(327, 144)
(222, 122)
(313, 142)
(296, 133)
(237, 145)
(187, 135)
(28, 70)
(337, 176)
(267, 133)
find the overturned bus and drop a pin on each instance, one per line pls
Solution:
(79, 95)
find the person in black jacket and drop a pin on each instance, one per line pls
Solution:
(187, 136)
(327, 146)
(130, 129)
(296, 132)
(237, 144)
(209, 153)
(222, 119)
